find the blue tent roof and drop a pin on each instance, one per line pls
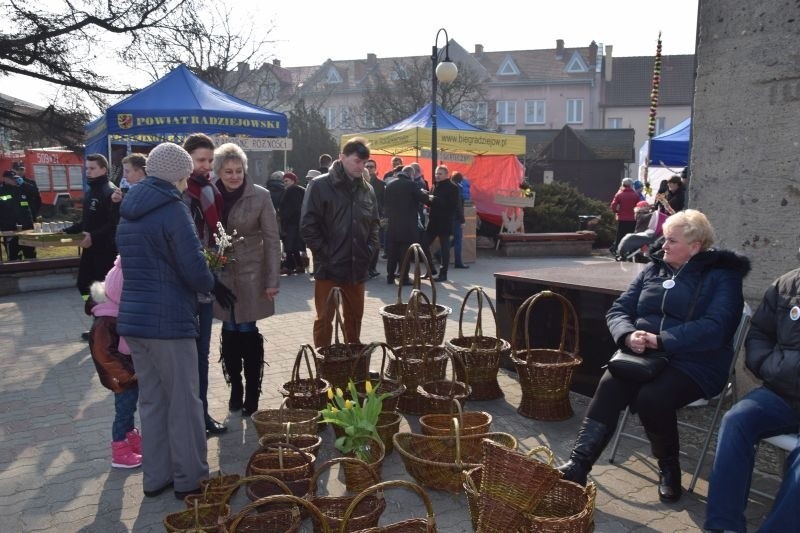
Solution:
(671, 148)
(181, 103)
(422, 119)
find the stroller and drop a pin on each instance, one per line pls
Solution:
(639, 247)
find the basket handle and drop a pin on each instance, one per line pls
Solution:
(386, 349)
(567, 313)
(467, 477)
(426, 501)
(411, 320)
(480, 294)
(314, 511)
(312, 484)
(303, 354)
(281, 445)
(547, 452)
(415, 250)
(335, 299)
(250, 479)
(457, 434)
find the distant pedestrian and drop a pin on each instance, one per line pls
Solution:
(622, 205)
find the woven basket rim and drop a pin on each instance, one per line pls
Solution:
(575, 359)
(387, 312)
(414, 436)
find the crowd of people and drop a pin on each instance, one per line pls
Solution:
(154, 239)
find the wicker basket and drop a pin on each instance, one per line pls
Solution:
(356, 478)
(385, 385)
(512, 484)
(437, 462)
(201, 517)
(545, 374)
(412, 366)
(470, 423)
(305, 393)
(283, 461)
(341, 362)
(410, 525)
(271, 421)
(307, 443)
(278, 519)
(261, 486)
(214, 489)
(566, 508)
(438, 395)
(333, 508)
(480, 355)
(415, 322)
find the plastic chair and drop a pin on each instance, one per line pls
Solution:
(730, 388)
(787, 443)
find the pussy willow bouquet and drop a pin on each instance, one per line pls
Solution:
(358, 420)
(216, 257)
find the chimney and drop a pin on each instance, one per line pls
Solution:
(276, 62)
(609, 48)
(592, 55)
(243, 67)
(372, 60)
(479, 50)
(559, 48)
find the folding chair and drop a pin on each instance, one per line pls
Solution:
(730, 388)
(787, 443)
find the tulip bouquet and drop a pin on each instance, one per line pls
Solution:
(357, 420)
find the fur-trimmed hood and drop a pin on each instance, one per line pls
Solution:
(724, 259)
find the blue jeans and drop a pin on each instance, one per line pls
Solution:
(124, 409)
(759, 415)
(241, 327)
(205, 315)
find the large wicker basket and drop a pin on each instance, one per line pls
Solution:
(385, 385)
(283, 461)
(306, 443)
(409, 525)
(469, 423)
(415, 322)
(480, 354)
(341, 362)
(438, 462)
(413, 365)
(438, 395)
(271, 515)
(545, 374)
(201, 517)
(305, 393)
(283, 419)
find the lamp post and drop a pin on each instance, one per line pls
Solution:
(446, 71)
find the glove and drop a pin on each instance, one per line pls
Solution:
(223, 294)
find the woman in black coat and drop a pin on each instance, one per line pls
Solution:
(289, 212)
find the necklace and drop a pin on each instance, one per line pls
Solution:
(670, 283)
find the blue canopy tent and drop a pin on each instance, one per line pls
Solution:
(174, 106)
(670, 148)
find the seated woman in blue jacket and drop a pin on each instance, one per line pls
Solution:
(687, 303)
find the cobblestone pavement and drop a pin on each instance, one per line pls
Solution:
(55, 422)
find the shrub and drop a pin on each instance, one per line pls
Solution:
(557, 208)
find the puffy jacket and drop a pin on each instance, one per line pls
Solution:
(700, 346)
(339, 223)
(623, 203)
(773, 343)
(164, 264)
(100, 215)
(114, 368)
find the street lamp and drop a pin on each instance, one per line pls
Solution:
(446, 71)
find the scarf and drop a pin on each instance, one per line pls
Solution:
(229, 198)
(205, 204)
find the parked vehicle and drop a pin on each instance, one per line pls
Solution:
(58, 174)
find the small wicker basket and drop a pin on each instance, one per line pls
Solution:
(305, 393)
(341, 362)
(409, 525)
(271, 421)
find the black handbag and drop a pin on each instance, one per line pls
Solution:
(640, 368)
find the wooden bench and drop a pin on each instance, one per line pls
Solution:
(38, 274)
(545, 244)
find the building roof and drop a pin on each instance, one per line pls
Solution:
(632, 80)
(570, 143)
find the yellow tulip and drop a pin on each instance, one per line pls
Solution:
(330, 394)
(348, 404)
(334, 409)
(368, 387)
(339, 392)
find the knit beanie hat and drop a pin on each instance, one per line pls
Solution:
(169, 162)
(291, 175)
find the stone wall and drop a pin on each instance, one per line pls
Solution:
(746, 132)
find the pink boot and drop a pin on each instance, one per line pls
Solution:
(122, 455)
(134, 438)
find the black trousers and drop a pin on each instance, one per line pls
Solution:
(656, 403)
(444, 248)
(95, 264)
(394, 257)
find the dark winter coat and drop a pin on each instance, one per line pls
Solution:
(700, 346)
(16, 206)
(114, 368)
(276, 189)
(165, 267)
(289, 213)
(339, 223)
(773, 343)
(403, 199)
(446, 201)
(379, 187)
(100, 216)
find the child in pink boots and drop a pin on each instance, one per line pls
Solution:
(112, 359)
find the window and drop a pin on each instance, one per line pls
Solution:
(506, 112)
(575, 111)
(333, 76)
(576, 64)
(473, 112)
(399, 72)
(369, 120)
(330, 117)
(344, 113)
(534, 111)
(614, 123)
(480, 114)
(508, 68)
(661, 125)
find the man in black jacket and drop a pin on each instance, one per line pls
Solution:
(339, 223)
(403, 199)
(379, 187)
(19, 202)
(446, 200)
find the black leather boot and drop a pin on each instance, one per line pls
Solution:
(593, 436)
(231, 356)
(669, 479)
(253, 350)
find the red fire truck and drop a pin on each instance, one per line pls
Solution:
(58, 173)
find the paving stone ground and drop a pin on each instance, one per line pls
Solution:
(55, 422)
